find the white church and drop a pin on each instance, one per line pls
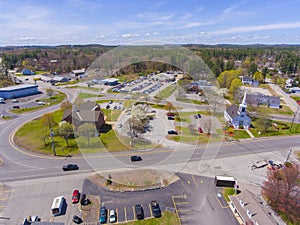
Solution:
(237, 116)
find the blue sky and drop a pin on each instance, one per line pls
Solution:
(114, 22)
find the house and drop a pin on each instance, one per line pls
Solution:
(27, 72)
(250, 81)
(237, 116)
(258, 99)
(88, 112)
(250, 210)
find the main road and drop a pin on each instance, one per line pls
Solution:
(19, 164)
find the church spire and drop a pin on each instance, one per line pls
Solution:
(243, 105)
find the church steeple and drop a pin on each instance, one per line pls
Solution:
(243, 105)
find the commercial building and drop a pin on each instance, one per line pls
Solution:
(19, 91)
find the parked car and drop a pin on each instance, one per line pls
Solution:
(135, 158)
(77, 219)
(41, 103)
(199, 115)
(15, 106)
(139, 211)
(103, 215)
(75, 196)
(155, 209)
(200, 130)
(170, 114)
(84, 200)
(172, 132)
(70, 167)
(112, 216)
(171, 118)
(196, 117)
(15, 101)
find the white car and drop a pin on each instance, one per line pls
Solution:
(41, 103)
(112, 216)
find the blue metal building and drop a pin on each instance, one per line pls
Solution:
(19, 91)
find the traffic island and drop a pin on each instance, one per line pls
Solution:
(133, 179)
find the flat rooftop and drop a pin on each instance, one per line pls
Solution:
(17, 87)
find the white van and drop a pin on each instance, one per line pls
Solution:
(2, 100)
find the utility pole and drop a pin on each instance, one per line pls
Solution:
(289, 154)
(293, 120)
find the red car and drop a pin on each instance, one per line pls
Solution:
(75, 197)
(170, 114)
(200, 130)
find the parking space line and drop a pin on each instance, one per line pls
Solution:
(178, 196)
(151, 213)
(134, 216)
(1, 206)
(182, 203)
(184, 210)
(2, 199)
(10, 190)
(223, 207)
(195, 181)
(117, 214)
(176, 210)
(125, 214)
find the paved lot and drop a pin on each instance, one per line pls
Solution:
(193, 198)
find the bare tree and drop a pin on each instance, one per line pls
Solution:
(282, 192)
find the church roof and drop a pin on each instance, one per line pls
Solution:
(233, 111)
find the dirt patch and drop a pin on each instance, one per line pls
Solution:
(133, 179)
(90, 212)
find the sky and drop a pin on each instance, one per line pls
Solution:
(139, 22)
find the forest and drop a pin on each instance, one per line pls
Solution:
(269, 59)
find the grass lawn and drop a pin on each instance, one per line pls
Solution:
(296, 98)
(281, 128)
(167, 218)
(285, 110)
(88, 95)
(240, 134)
(86, 88)
(167, 92)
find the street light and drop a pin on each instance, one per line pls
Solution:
(52, 141)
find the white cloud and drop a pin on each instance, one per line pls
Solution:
(265, 27)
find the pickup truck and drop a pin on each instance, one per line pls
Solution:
(155, 209)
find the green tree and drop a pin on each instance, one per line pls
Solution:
(234, 86)
(227, 77)
(258, 76)
(87, 130)
(66, 131)
(263, 123)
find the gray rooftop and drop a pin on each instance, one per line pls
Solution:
(17, 87)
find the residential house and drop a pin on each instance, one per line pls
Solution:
(250, 81)
(250, 210)
(60, 79)
(27, 72)
(88, 112)
(237, 116)
(259, 99)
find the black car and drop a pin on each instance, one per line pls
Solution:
(103, 215)
(77, 219)
(171, 118)
(70, 167)
(155, 209)
(84, 200)
(139, 211)
(199, 115)
(135, 158)
(172, 132)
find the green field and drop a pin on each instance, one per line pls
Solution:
(88, 95)
(167, 92)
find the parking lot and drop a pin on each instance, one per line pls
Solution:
(193, 198)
